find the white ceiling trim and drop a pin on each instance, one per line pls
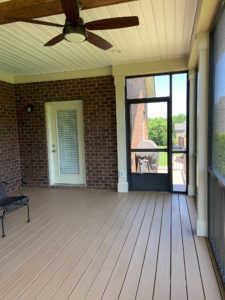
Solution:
(63, 75)
(150, 67)
(141, 68)
(5, 77)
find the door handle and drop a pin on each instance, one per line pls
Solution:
(53, 150)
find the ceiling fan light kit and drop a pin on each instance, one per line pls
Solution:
(75, 30)
(75, 37)
(74, 33)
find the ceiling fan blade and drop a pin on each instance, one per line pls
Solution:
(98, 41)
(71, 10)
(55, 40)
(34, 22)
(112, 23)
(86, 4)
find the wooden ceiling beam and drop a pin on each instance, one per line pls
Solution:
(86, 4)
(31, 9)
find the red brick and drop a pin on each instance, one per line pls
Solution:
(9, 144)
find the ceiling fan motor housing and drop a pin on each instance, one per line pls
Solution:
(74, 33)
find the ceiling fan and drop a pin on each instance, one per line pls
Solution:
(75, 30)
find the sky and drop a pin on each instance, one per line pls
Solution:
(179, 92)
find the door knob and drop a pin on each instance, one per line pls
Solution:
(53, 150)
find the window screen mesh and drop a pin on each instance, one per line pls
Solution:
(218, 117)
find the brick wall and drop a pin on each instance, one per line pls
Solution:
(98, 95)
(139, 130)
(9, 145)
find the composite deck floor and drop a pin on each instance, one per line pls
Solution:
(105, 245)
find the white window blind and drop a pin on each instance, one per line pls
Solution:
(68, 152)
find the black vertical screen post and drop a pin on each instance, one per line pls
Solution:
(170, 135)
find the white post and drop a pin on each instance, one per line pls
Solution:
(202, 135)
(119, 82)
(191, 167)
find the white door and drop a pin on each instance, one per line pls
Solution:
(65, 142)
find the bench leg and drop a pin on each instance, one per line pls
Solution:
(3, 230)
(28, 213)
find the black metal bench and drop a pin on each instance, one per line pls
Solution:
(10, 203)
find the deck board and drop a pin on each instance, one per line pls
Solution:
(129, 288)
(163, 262)
(147, 276)
(178, 276)
(208, 278)
(115, 283)
(192, 270)
(105, 245)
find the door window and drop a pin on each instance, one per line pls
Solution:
(68, 154)
(148, 87)
(148, 137)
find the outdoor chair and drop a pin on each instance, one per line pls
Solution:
(10, 203)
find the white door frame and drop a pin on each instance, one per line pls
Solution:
(49, 106)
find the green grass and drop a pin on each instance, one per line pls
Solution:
(163, 159)
(218, 153)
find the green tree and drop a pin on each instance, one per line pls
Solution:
(218, 158)
(180, 118)
(157, 131)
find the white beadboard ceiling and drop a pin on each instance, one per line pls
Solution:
(165, 32)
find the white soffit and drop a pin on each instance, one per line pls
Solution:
(164, 33)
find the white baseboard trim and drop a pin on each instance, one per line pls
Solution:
(122, 187)
(202, 228)
(191, 190)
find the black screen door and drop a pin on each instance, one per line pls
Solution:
(148, 145)
(156, 114)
